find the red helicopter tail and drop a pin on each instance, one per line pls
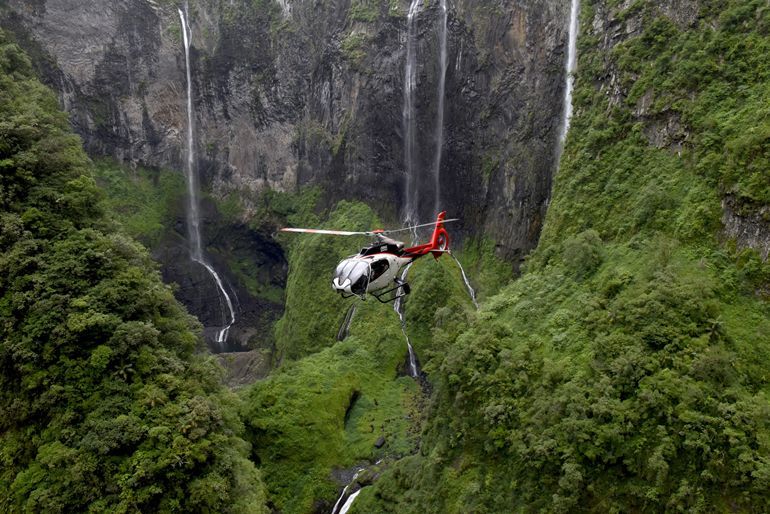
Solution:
(439, 241)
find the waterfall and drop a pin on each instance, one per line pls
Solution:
(344, 330)
(570, 68)
(413, 371)
(193, 214)
(398, 306)
(408, 113)
(344, 491)
(471, 291)
(440, 109)
(193, 227)
(345, 508)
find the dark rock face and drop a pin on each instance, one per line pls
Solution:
(306, 92)
(748, 225)
(252, 267)
(245, 368)
(287, 95)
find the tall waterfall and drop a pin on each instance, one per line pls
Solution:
(193, 206)
(409, 114)
(570, 68)
(440, 108)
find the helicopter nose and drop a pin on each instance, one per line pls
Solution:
(341, 285)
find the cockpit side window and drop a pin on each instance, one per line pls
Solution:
(378, 268)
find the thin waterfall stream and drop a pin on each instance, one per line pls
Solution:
(570, 69)
(440, 108)
(471, 291)
(336, 509)
(344, 330)
(345, 508)
(193, 206)
(409, 113)
(398, 306)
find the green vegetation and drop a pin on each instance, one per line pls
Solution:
(326, 411)
(364, 10)
(353, 48)
(312, 310)
(144, 201)
(627, 369)
(105, 405)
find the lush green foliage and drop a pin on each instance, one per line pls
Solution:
(144, 201)
(627, 369)
(105, 406)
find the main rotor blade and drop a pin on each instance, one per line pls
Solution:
(327, 232)
(418, 226)
(367, 233)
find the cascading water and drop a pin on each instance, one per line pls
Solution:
(398, 306)
(440, 108)
(344, 492)
(345, 508)
(570, 68)
(409, 113)
(193, 215)
(344, 330)
(471, 291)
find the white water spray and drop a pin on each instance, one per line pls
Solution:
(570, 69)
(344, 491)
(471, 291)
(398, 306)
(344, 330)
(408, 113)
(440, 109)
(193, 215)
(345, 508)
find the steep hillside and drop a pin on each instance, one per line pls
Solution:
(627, 369)
(105, 405)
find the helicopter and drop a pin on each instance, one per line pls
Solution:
(375, 269)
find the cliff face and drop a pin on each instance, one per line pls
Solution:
(310, 93)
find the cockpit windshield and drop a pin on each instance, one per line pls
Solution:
(356, 271)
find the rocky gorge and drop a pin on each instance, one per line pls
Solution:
(596, 341)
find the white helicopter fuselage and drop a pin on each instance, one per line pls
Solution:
(380, 271)
(395, 264)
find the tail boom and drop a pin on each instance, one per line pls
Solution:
(439, 241)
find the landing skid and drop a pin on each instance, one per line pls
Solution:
(383, 296)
